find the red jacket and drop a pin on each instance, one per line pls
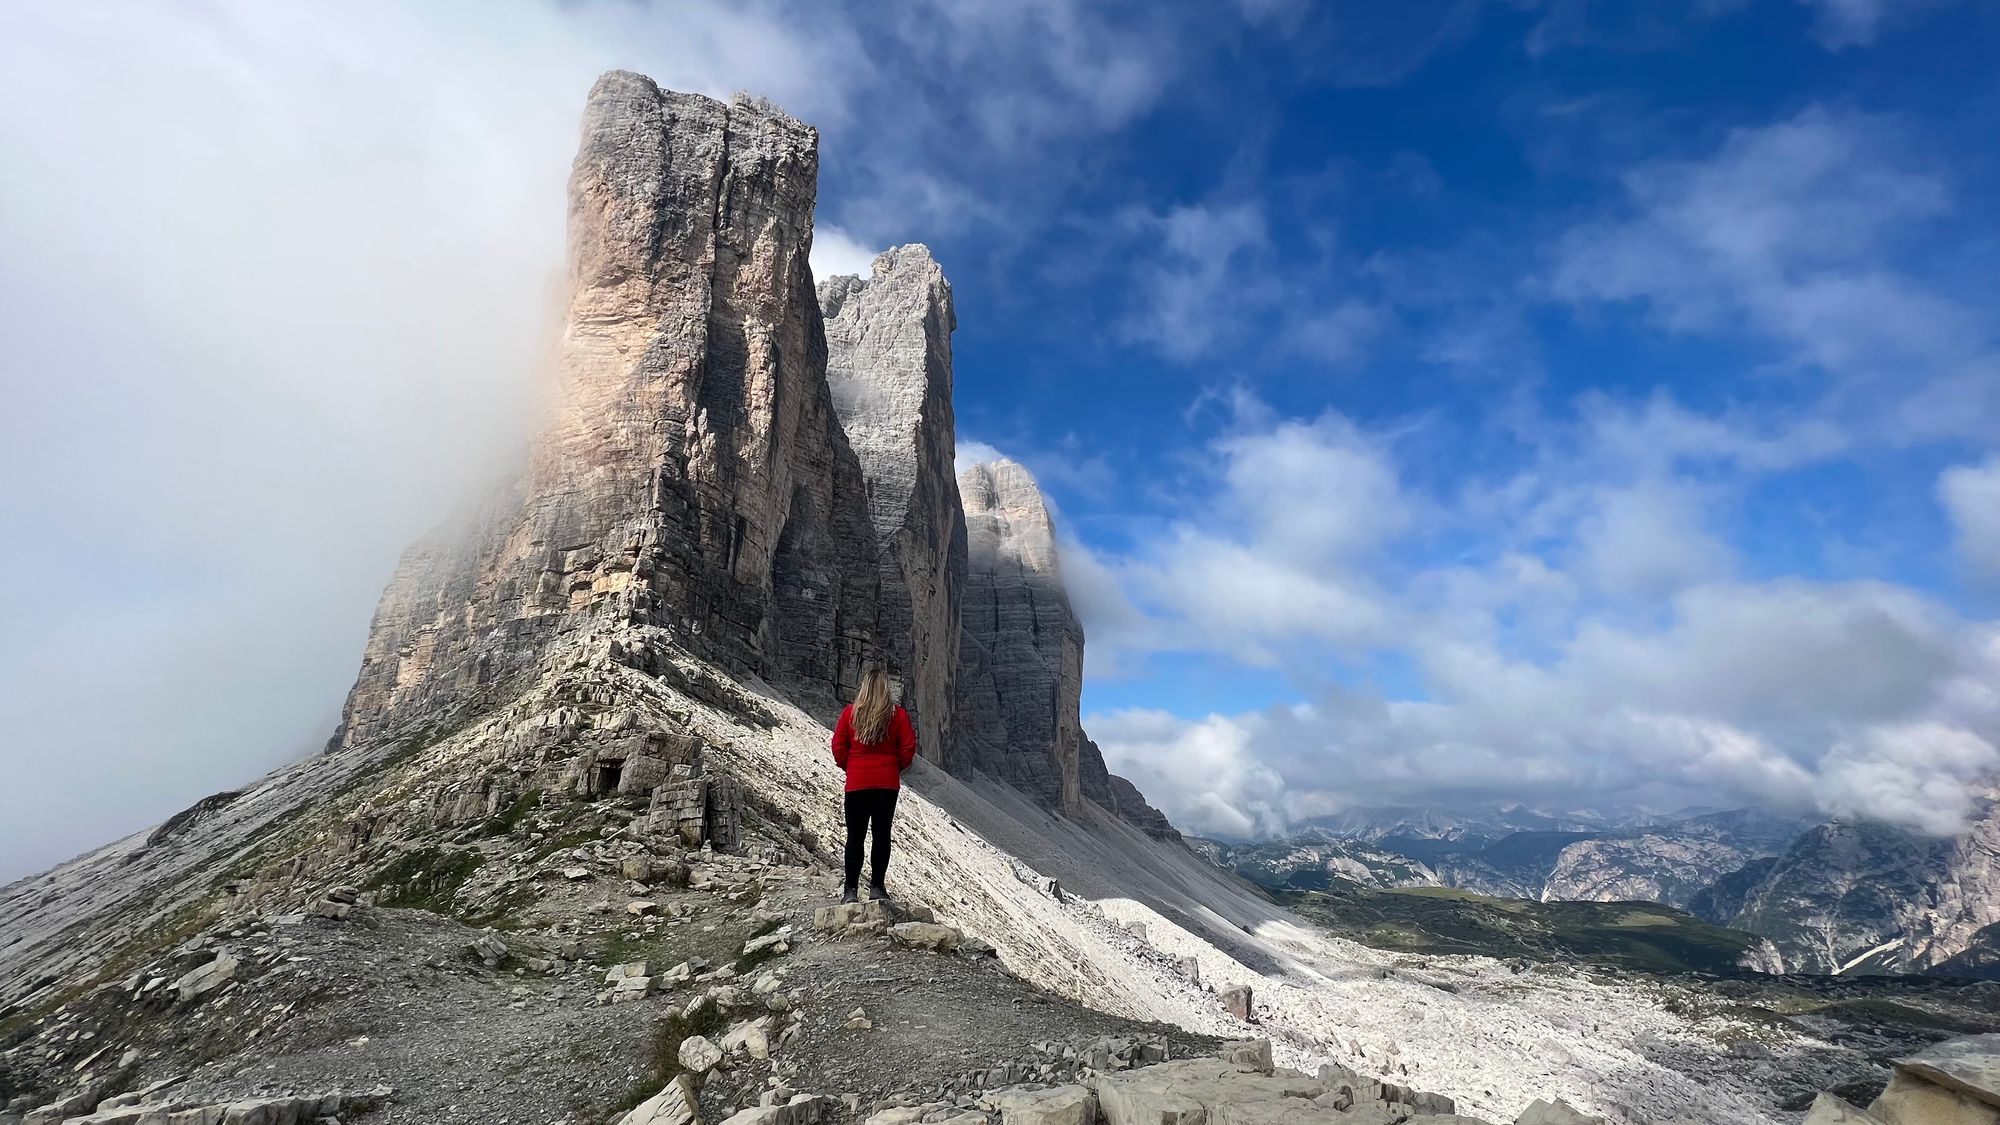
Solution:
(874, 765)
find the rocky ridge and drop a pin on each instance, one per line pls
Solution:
(583, 771)
(1859, 896)
(1843, 896)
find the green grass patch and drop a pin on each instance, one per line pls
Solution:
(1620, 935)
(507, 819)
(426, 880)
(663, 1053)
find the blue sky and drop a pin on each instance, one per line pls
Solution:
(1582, 403)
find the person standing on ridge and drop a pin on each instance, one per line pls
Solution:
(874, 742)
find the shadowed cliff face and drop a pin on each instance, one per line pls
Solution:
(693, 474)
(889, 367)
(1021, 663)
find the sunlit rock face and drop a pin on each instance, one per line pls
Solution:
(693, 473)
(889, 367)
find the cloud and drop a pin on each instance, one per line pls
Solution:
(1792, 697)
(273, 297)
(1189, 290)
(1205, 768)
(1597, 644)
(1971, 498)
(1279, 554)
(1648, 540)
(835, 252)
(1840, 24)
(1788, 232)
(970, 453)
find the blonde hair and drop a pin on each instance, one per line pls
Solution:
(872, 704)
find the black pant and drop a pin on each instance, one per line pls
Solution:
(865, 806)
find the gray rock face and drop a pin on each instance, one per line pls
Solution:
(889, 368)
(694, 474)
(1021, 660)
(1121, 797)
(1864, 896)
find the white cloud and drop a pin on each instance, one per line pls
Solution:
(1786, 231)
(274, 279)
(1600, 651)
(836, 252)
(1278, 554)
(1189, 291)
(1793, 696)
(1648, 540)
(1971, 498)
(1205, 769)
(969, 453)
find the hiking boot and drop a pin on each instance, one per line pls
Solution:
(878, 893)
(847, 895)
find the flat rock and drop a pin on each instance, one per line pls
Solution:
(1059, 1105)
(1830, 1109)
(675, 1104)
(1969, 1065)
(925, 935)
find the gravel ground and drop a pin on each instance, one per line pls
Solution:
(392, 997)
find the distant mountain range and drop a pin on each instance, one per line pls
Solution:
(1832, 897)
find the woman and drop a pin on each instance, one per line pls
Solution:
(874, 743)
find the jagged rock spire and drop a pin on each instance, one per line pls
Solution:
(692, 474)
(889, 366)
(1021, 660)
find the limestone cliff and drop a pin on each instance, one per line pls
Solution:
(1021, 661)
(889, 367)
(694, 474)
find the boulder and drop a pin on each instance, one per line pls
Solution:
(488, 949)
(1830, 1109)
(208, 977)
(751, 1037)
(1243, 1089)
(853, 919)
(1253, 1054)
(698, 1055)
(1236, 1001)
(1967, 1068)
(925, 935)
(675, 1104)
(796, 1109)
(1059, 1105)
(1150, 1101)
